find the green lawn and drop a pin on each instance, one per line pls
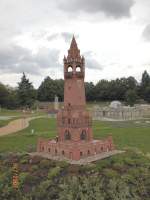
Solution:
(22, 140)
(6, 112)
(125, 134)
(4, 122)
(7, 116)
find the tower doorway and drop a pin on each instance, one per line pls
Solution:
(71, 155)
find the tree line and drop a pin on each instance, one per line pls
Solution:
(123, 89)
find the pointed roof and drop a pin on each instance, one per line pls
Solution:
(73, 52)
(73, 43)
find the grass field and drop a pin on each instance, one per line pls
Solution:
(6, 112)
(7, 116)
(125, 134)
(4, 122)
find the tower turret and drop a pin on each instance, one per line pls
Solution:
(74, 72)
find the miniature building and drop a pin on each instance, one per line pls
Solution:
(115, 104)
(56, 103)
(116, 111)
(74, 122)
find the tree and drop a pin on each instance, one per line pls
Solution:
(4, 94)
(144, 84)
(131, 97)
(49, 88)
(89, 90)
(147, 94)
(26, 92)
(145, 79)
(101, 90)
(12, 101)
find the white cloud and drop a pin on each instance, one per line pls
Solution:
(112, 8)
(35, 35)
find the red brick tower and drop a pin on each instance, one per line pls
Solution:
(74, 123)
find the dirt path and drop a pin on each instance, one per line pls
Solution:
(16, 125)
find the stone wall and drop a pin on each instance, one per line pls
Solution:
(121, 113)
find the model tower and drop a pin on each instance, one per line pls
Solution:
(74, 122)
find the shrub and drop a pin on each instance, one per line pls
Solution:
(54, 172)
(44, 163)
(34, 168)
(22, 177)
(110, 173)
(63, 164)
(24, 161)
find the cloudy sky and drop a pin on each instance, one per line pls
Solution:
(113, 35)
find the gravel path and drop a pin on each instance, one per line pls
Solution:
(16, 125)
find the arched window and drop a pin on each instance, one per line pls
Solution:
(69, 120)
(95, 150)
(70, 68)
(81, 154)
(78, 68)
(63, 120)
(67, 135)
(63, 153)
(83, 135)
(49, 150)
(55, 151)
(88, 152)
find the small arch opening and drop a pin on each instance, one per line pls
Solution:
(49, 150)
(70, 155)
(63, 120)
(83, 135)
(81, 153)
(78, 69)
(95, 150)
(63, 153)
(55, 151)
(67, 135)
(69, 68)
(88, 152)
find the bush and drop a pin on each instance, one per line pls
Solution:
(34, 168)
(54, 172)
(22, 177)
(63, 164)
(110, 173)
(45, 164)
(24, 161)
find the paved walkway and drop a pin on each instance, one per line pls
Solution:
(16, 125)
(83, 161)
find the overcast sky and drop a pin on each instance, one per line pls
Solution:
(113, 35)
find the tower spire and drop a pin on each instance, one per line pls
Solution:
(73, 52)
(73, 43)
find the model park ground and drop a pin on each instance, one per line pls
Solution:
(122, 177)
(126, 134)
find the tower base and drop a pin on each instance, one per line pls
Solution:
(82, 161)
(75, 150)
